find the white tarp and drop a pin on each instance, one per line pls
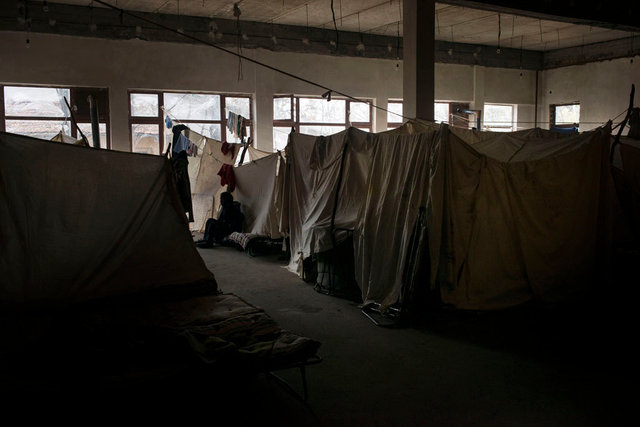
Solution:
(397, 186)
(79, 223)
(257, 190)
(504, 233)
(510, 217)
(312, 175)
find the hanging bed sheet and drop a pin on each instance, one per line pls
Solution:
(317, 168)
(533, 224)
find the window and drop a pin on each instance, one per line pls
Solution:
(42, 112)
(202, 112)
(499, 117)
(394, 114)
(441, 112)
(564, 115)
(317, 116)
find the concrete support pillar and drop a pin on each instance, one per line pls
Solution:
(418, 57)
(119, 120)
(263, 114)
(380, 115)
(478, 90)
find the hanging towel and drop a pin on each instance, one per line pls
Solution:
(227, 177)
(227, 148)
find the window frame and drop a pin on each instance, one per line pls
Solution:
(295, 123)
(552, 115)
(514, 120)
(159, 119)
(394, 125)
(73, 95)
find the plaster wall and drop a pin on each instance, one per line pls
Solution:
(601, 88)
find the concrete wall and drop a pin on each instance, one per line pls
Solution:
(601, 88)
(134, 64)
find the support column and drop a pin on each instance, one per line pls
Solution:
(478, 90)
(263, 114)
(418, 57)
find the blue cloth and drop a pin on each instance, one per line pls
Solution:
(168, 122)
(182, 144)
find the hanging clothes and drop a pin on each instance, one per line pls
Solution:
(227, 177)
(180, 166)
(227, 148)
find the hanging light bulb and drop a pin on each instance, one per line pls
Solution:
(450, 52)
(245, 36)
(45, 7)
(498, 51)
(389, 48)
(305, 41)
(360, 47)
(274, 39)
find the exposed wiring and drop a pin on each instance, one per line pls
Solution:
(246, 58)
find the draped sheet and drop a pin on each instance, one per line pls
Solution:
(515, 231)
(312, 176)
(79, 223)
(510, 217)
(397, 187)
(257, 190)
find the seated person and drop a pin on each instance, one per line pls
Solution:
(229, 220)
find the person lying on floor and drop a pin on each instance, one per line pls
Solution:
(229, 220)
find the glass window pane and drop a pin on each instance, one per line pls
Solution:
(498, 116)
(441, 111)
(43, 129)
(394, 115)
(231, 138)
(145, 139)
(86, 129)
(567, 114)
(240, 106)
(35, 101)
(321, 130)
(210, 130)
(282, 108)
(280, 137)
(365, 129)
(144, 105)
(322, 111)
(359, 112)
(192, 106)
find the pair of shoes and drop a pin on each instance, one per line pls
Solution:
(204, 244)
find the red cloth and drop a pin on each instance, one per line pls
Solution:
(227, 177)
(226, 148)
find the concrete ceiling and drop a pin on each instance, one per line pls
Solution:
(383, 17)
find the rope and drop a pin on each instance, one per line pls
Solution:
(246, 58)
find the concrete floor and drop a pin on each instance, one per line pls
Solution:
(528, 367)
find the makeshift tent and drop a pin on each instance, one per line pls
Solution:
(533, 225)
(67, 139)
(498, 218)
(98, 264)
(78, 224)
(258, 189)
(626, 174)
(319, 171)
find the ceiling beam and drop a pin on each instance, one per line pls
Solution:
(613, 14)
(108, 24)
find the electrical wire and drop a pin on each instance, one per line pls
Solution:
(246, 58)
